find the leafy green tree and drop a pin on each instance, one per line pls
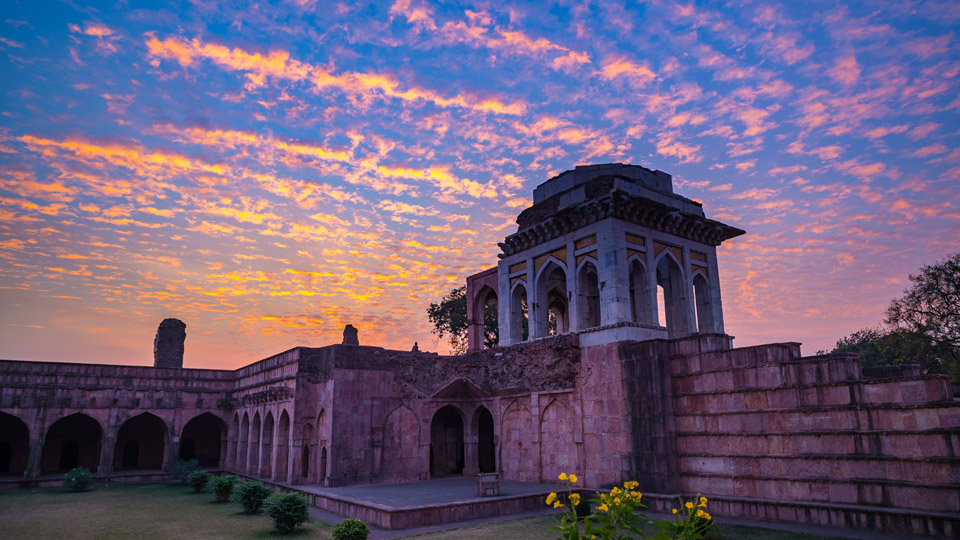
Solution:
(923, 326)
(449, 319)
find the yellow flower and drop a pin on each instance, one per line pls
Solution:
(616, 500)
(702, 514)
(689, 505)
(615, 491)
(703, 500)
(563, 476)
(573, 479)
(632, 484)
(574, 499)
(558, 504)
(636, 495)
(550, 498)
(674, 510)
(603, 508)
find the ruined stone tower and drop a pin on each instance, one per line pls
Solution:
(168, 344)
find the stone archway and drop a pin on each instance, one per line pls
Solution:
(141, 442)
(200, 440)
(446, 442)
(486, 451)
(72, 441)
(14, 445)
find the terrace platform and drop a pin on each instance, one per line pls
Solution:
(420, 504)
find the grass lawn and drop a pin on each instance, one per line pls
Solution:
(163, 511)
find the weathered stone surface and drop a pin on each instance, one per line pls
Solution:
(350, 335)
(168, 344)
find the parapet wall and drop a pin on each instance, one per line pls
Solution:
(769, 434)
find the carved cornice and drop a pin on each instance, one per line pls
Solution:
(620, 205)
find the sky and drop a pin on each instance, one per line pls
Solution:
(269, 172)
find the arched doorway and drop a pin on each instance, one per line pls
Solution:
(72, 441)
(589, 291)
(305, 453)
(446, 442)
(243, 447)
(486, 452)
(670, 278)
(14, 445)
(266, 453)
(200, 440)
(701, 294)
(323, 465)
(486, 310)
(552, 315)
(141, 441)
(519, 321)
(283, 434)
(253, 460)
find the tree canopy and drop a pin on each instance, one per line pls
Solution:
(449, 319)
(922, 327)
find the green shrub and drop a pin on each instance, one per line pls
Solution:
(351, 529)
(181, 471)
(287, 510)
(250, 495)
(223, 487)
(77, 479)
(198, 480)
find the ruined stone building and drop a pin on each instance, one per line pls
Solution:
(613, 363)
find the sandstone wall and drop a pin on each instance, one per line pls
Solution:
(773, 435)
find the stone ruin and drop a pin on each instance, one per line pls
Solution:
(168, 344)
(588, 377)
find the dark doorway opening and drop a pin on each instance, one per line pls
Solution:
(200, 440)
(72, 441)
(69, 455)
(323, 465)
(14, 445)
(305, 462)
(446, 442)
(486, 454)
(131, 454)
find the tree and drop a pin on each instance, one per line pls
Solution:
(931, 307)
(923, 327)
(449, 319)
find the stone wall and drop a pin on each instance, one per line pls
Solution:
(769, 434)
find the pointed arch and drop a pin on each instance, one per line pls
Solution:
(446, 442)
(703, 303)
(253, 460)
(643, 309)
(518, 458)
(141, 443)
(243, 446)
(558, 450)
(552, 314)
(266, 446)
(670, 276)
(486, 310)
(72, 441)
(588, 291)
(519, 313)
(401, 446)
(201, 439)
(14, 445)
(283, 441)
(305, 444)
(482, 425)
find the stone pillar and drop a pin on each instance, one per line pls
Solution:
(689, 298)
(573, 290)
(534, 302)
(107, 446)
(350, 335)
(168, 344)
(713, 278)
(651, 260)
(38, 431)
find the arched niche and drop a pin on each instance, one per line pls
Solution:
(486, 307)
(283, 442)
(670, 278)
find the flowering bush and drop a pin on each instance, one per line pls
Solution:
(617, 517)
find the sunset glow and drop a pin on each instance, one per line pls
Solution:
(270, 173)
